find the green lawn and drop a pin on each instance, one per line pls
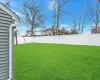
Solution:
(56, 62)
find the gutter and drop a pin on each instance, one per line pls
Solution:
(11, 63)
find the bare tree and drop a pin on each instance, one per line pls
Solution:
(54, 6)
(74, 26)
(83, 19)
(6, 2)
(33, 14)
(60, 10)
(74, 23)
(95, 14)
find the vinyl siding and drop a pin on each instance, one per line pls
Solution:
(5, 22)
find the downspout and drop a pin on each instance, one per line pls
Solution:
(11, 73)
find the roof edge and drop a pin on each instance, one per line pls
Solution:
(9, 12)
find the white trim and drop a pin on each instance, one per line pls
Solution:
(10, 50)
(10, 53)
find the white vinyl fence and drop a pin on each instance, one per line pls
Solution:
(84, 39)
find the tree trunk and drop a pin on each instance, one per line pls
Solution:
(82, 30)
(16, 37)
(55, 14)
(79, 30)
(58, 16)
(96, 28)
(32, 31)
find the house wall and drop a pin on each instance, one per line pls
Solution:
(84, 39)
(5, 22)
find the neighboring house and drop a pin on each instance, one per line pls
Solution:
(8, 20)
(53, 31)
(60, 32)
(35, 33)
(47, 32)
(28, 33)
(63, 32)
(94, 31)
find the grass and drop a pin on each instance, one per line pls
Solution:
(56, 62)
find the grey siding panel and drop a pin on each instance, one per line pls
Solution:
(4, 25)
(3, 31)
(3, 78)
(4, 68)
(5, 19)
(3, 50)
(2, 11)
(4, 62)
(3, 37)
(4, 65)
(5, 16)
(4, 34)
(3, 59)
(1, 53)
(5, 40)
(1, 47)
(5, 22)
(4, 75)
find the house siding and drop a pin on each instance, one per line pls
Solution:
(5, 22)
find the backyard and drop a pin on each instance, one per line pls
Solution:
(56, 62)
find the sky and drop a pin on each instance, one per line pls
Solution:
(73, 7)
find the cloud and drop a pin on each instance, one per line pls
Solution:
(3, 1)
(12, 3)
(51, 5)
(18, 13)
